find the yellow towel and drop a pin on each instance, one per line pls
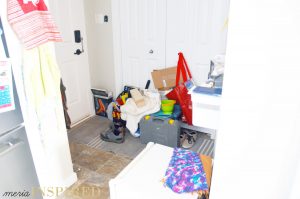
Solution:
(42, 89)
(41, 75)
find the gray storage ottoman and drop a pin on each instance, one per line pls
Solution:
(161, 131)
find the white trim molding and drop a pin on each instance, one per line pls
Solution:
(117, 46)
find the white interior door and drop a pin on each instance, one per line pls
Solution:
(69, 16)
(142, 24)
(197, 28)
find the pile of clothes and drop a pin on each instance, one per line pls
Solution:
(127, 110)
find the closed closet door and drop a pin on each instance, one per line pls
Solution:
(198, 29)
(143, 38)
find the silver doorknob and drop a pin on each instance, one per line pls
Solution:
(151, 51)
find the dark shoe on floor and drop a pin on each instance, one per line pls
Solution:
(109, 136)
(193, 134)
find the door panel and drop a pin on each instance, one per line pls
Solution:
(154, 31)
(69, 16)
(143, 25)
(195, 27)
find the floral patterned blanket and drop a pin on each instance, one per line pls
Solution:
(185, 173)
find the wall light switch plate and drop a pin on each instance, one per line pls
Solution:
(99, 18)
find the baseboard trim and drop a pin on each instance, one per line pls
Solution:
(82, 120)
(70, 180)
(67, 183)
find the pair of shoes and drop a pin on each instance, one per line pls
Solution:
(189, 140)
(109, 136)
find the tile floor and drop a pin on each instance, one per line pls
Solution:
(94, 169)
(95, 166)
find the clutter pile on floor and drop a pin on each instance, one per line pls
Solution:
(166, 107)
(158, 116)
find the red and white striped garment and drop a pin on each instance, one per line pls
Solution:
(32, 22)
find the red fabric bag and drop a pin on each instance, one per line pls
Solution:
(180, 92)
(32, 22)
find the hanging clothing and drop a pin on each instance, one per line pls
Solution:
(64, 101)
(32, 22)
(41, 74)
(42, 88)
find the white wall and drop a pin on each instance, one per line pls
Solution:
(100, 44)
(258, 144)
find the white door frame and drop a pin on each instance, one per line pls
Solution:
(117, 46)
(89, 95)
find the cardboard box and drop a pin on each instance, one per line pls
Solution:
(164, 79)
(207, 165)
